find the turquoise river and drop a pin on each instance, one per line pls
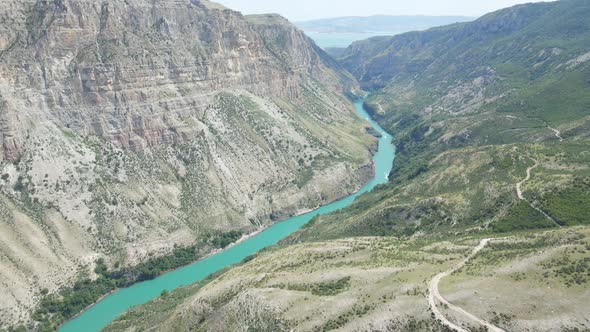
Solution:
(108, 309)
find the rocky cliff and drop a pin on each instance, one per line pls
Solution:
(132, 126)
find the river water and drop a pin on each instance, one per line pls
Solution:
(100, 315)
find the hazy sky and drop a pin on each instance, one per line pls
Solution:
(297, 10)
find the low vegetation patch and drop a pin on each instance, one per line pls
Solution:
(570, 206)
(521, 216)
(571, 270)
(338, 322)
(328, 288)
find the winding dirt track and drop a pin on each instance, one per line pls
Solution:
(528, 177)
(557, 134)
(434, 295)
(522, 198)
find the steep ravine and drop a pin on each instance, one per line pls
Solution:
(130, 127)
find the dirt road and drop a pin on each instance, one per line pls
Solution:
(434, 295)
(521, 196)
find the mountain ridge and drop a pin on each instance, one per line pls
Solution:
(378, 23)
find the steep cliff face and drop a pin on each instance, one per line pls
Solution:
(128, 127)
(130, 65)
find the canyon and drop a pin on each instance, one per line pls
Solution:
(130, 128)
(456, 240)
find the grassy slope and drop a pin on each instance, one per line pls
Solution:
(471, 190)
(386, 281)
(545, 276)
(370, 265)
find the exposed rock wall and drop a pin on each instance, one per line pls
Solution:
(131, 71)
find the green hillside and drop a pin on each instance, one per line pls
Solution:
(473, 105)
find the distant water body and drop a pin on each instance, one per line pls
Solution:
(112, 306)
(340, 32)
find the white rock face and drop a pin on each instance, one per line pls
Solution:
(130, 126)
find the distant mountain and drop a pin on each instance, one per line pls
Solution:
(378, 23)
(340, 32)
